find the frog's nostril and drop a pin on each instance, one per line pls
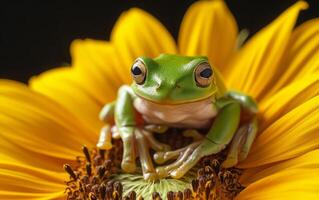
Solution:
(158, 86)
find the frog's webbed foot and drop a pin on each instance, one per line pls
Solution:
(136, 144)
(202, 148)
(241, 143)
(186, 157)
(181, 155)
(145, 140)
(106, 135)
(161, 157)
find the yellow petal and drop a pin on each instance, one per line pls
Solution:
(289, 184)
(137, 33)
(209, 29)
(284, 101)
(255, 67)
(302, 55)
(13, 153)
(288, 98)
(71, 89)
(37, 136)
(100, 66)
(290, 136)
(309, 160)
(34, 196)
(31, 124)
(18, 182)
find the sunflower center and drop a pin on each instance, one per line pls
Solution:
(97, 175)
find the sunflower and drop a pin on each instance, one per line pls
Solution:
(44, 124)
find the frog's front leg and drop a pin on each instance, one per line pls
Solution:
(126, 123)
(134, 141)
(106, 115)
(219, 135)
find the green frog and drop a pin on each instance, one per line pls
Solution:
(174, 91)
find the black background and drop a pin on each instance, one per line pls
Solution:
(35, 36)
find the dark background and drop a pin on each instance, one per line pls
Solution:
(35, 36)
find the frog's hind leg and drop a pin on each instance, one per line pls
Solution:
(241, 143)
(250, 137)
(245, 135)
(248, 104)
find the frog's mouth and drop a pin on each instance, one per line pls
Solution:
(168, 101)
(173, 93)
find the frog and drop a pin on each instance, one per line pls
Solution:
(177, 91)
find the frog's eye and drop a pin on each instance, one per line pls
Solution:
(138, 72)
(203, 74)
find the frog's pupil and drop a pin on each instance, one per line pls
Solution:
(136, 70)
(206, 73)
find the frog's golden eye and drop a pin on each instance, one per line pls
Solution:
(138, 72)
(203, 74)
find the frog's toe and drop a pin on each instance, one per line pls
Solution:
(104, 141)
(177, 174)
(164, 156)
(156, 128)
(128, 166)
(150, 176)
(145, 157)
(153, 143)
(241, 144)
(162, 172)
(129, 149)
(193, 133)
(230, 162)
(159, 157)
(166, 147)
(115, 133)
(190, 159)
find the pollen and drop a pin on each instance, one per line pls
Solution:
(92, 177)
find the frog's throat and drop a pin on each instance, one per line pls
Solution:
(212, 97)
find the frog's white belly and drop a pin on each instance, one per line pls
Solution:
(197, 114)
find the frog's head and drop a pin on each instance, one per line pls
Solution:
(173, 79)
